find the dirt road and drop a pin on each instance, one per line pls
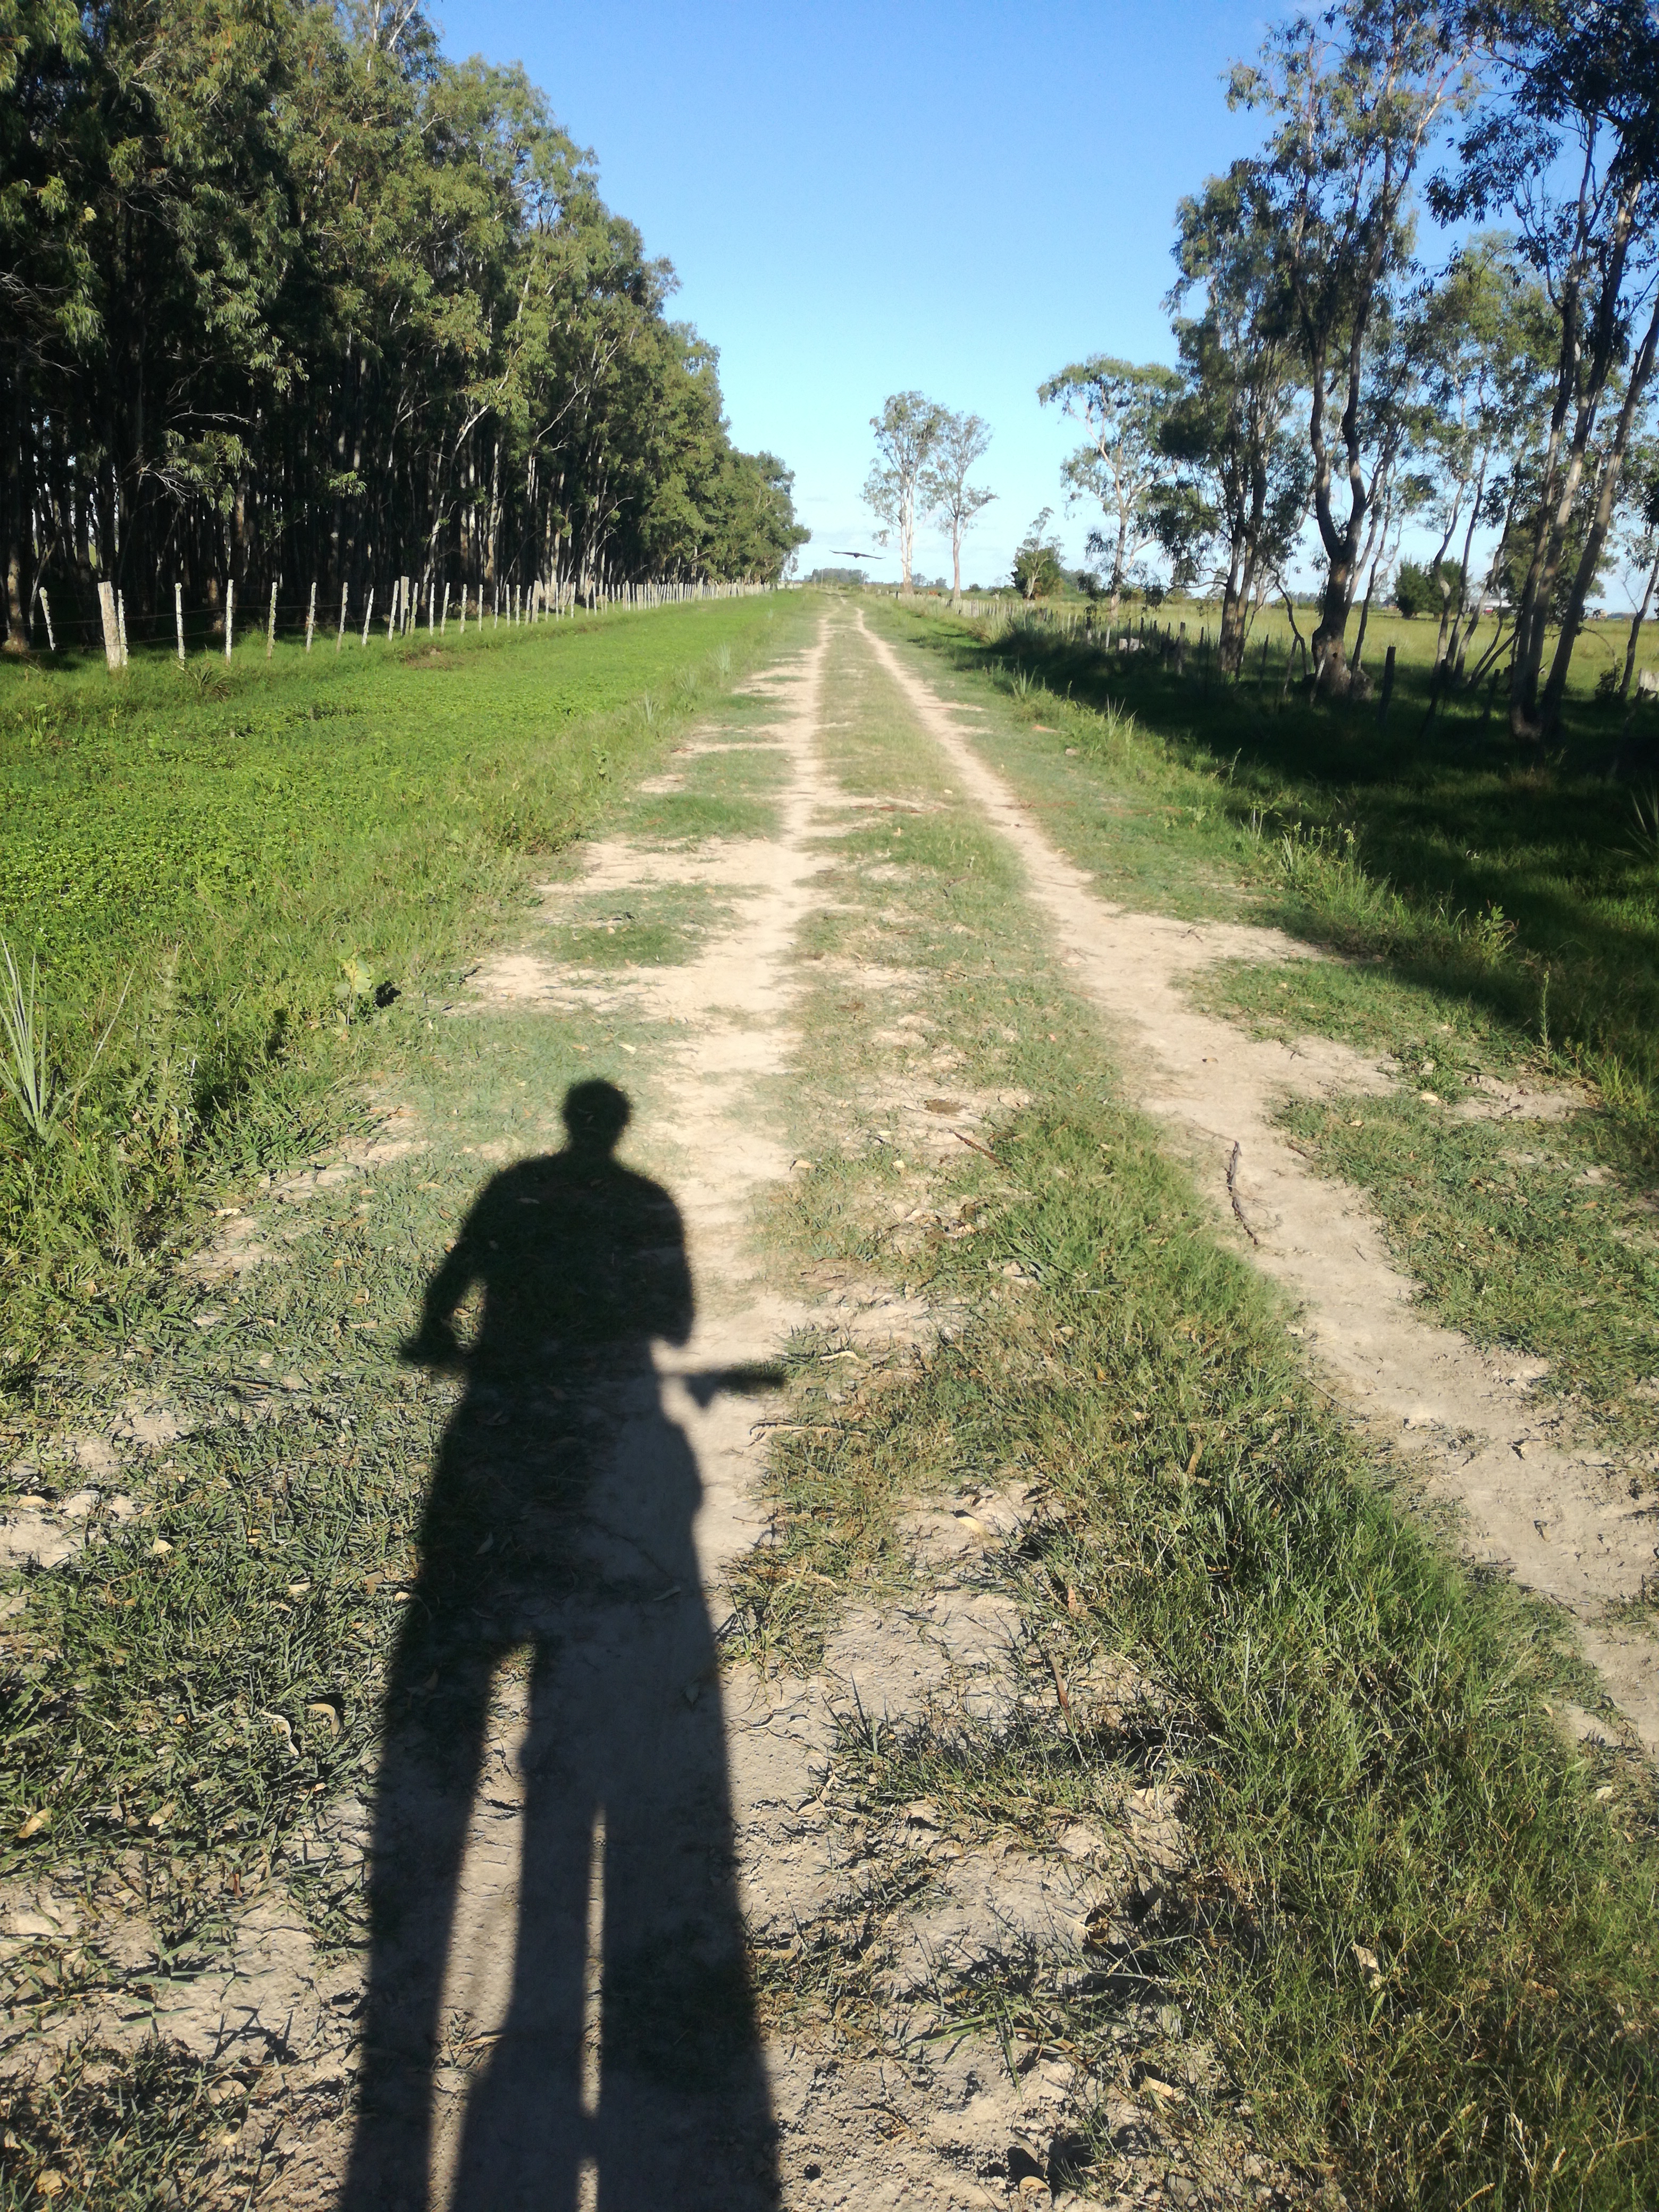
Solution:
(632, 1939)
(723, 1032)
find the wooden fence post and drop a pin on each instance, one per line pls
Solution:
(230, 612)
(178, 618)
(368, 613)
(1388, 691)
(443, 622)
(111, 634)
(311, 615)
(271, 624)
(462, 631)
(340, 639)
(45, 609)
(121, 624)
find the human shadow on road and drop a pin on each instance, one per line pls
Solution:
(560, 1526)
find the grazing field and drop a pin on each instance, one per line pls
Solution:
(249, 869)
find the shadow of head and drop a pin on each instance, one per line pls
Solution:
(595, 1114)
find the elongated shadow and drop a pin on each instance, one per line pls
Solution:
(627, 2074)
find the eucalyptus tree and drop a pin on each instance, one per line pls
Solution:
(1483, 335)
(947, 497)
(907, 430)
(285, 294)
(1569, 146)
(1232, 430)
(1354, 99)
(1122, 407)
(1039, 565)
(1642, 548)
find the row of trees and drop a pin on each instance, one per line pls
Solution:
(283, 292)
(1325, 373)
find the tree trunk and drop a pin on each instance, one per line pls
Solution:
(1641, 369)
(15, 505)
(1637, 621)
(1532, 617)
(1460, 637)
(1330, 652)
(1341, 545)
(1229, 645)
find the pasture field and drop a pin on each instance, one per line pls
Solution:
(261, 865)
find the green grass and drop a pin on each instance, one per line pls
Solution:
(642, 929)
(1512, 1244)
(1531, 1236)
(1359, 1731)
(126, 2130)
(267, 860)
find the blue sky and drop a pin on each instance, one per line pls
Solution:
(859, 199)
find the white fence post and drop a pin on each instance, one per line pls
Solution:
(178, 617)
(311, 615)
(111, 634)
(368, 613)
(230, 612)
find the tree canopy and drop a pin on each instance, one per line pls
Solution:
(287, 293)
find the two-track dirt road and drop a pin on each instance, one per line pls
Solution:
(631, 1942)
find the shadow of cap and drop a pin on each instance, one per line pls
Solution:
(595, 1113)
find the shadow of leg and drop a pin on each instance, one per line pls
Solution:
(424, 1800)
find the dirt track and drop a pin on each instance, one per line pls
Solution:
(1557, 1519)
(587, 1813)
(936, 2129)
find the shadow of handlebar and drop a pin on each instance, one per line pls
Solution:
(438, 1346)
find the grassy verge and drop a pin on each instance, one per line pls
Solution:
(243, 873)
(1412, 1927)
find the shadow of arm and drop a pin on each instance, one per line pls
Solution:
(434, 1343)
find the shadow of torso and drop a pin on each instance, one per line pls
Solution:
(560, 1526)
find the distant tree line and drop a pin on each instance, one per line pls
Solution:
(1327, 373)
(284, 292)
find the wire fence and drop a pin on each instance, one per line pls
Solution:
(406, 605)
